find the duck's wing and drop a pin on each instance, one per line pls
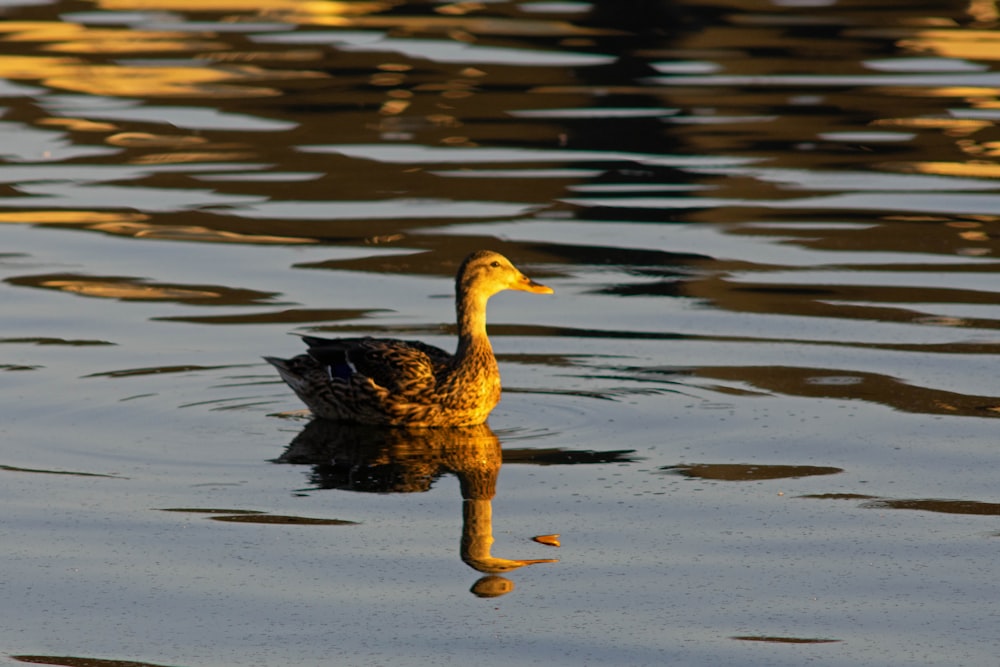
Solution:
(401, 366)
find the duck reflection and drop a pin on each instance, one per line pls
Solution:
(381, 460)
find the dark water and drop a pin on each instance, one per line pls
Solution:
(772, 229)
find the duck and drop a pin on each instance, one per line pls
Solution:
(408, 383)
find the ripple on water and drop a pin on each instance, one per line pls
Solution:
(775, 278)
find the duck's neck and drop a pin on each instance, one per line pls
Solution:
(472, 338)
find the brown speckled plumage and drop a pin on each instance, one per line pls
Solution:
(409, 383)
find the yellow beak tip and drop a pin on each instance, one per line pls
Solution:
(537, 288)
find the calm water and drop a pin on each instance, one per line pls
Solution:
(759, 411)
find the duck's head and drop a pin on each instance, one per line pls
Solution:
(488, 272)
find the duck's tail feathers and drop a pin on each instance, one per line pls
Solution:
(287, 370)
(280, 364)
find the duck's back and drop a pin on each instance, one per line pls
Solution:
(391, 382)
(400, 366)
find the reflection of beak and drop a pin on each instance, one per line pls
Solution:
(494, 564)
(536, 561)
(526, 284)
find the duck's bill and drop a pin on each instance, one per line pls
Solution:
(529, 285)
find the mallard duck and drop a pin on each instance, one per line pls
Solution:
(407, 382)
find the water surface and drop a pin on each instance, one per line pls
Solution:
(772, 230)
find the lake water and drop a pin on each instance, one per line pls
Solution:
(760, 410)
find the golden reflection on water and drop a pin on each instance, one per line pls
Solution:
(191, 157)
(956, 127)
(464, 28)
(68, 217)
(115, 290)
(407, 461)
(134, 225)
(984, 12)
(451, 20)
(165, 81)
(139, 289)
(150, 140)
(35, 67)
(966, 43)
(64, 37)
(967, 169)
(78, 124)
(263, 7)
(193, 233)
(148, 80)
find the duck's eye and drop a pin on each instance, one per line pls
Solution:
(495, 264)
